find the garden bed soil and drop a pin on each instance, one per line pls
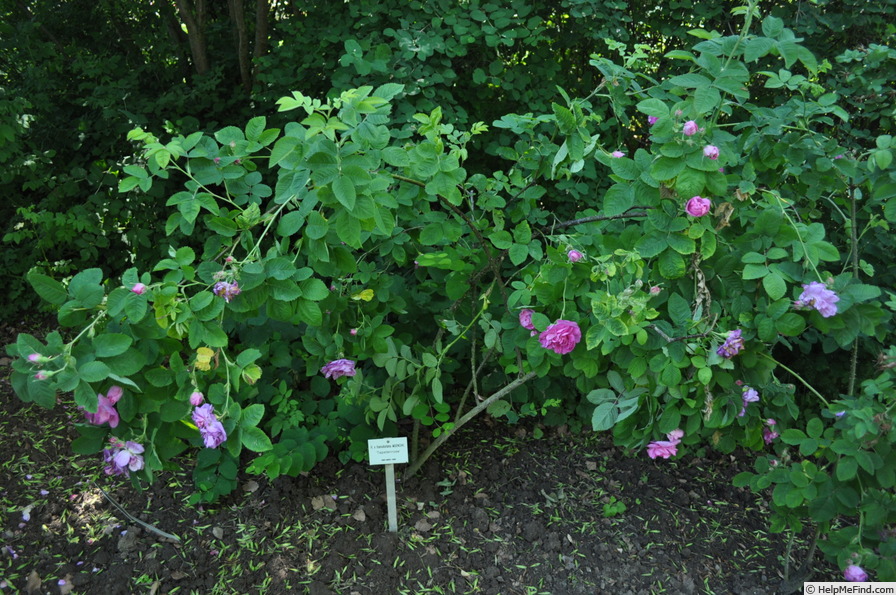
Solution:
(495, 511)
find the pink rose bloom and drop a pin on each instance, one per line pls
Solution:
(139, 288)
(196, 398)
(353, 332)
(34, 358)
(617, 154)
(121, 459)
(732, 345)
(817, 295)
(526, 319)
(575, 256)
(651, 120)
(662, 448)
(339, 367)
(213, 435)
(204, 415)
(675, 436)
(855, 574)
(698, 207)
(41, 375)
(105, 409)
(769, 435)
(226, 290)
(749, 396)
(656, 290)
(690, 128)
(561, 337)
(711, 151)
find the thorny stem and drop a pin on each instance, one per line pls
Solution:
(415, 466)
(854, 250)
(798, 377)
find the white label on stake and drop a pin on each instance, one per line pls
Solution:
(388, 451)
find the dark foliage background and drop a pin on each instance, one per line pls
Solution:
(76, 76)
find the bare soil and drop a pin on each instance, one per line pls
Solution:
(496, 511)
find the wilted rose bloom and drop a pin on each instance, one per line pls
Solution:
(526, 319)
(213, 435)
(561, 337)
(769, 435)
(711, 151)
(196, 398)
(855, 574)
(121, 459)
(226, 290)
(817, 295)
(697, 206)
(662, 448)
(575, 256)
(651, 120)
(139, 288)
(339, 367)
(617, 154)
(105, 409)
(690, 128)
(732, 345)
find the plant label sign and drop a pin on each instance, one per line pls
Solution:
(389, 452)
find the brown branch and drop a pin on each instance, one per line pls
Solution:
(460, 423)
(495, 266)
(684, 338)
(591, 219)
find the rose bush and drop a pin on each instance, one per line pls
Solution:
(358, 281)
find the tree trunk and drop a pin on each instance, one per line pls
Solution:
(178, 38)
(262, 14)
(194, 15)
(238, 17)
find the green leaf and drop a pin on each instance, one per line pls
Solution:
(774, 285)
(251, 415)
(754, 271)
(111, 344)
(667, 168)
(671, 265)
(518, 254)
(94, 371)
(255, 439)
(344, 189)
(255, 127)
(309, 312)
(706, 99)
(565, 119)
(47, 288)
(396, 156)
(85, 288)
(290, 223)
(690, 80)
(314, 290)
(846, 468)
(501, 239)
(653, 107)
(690, 182)
(757, 48)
